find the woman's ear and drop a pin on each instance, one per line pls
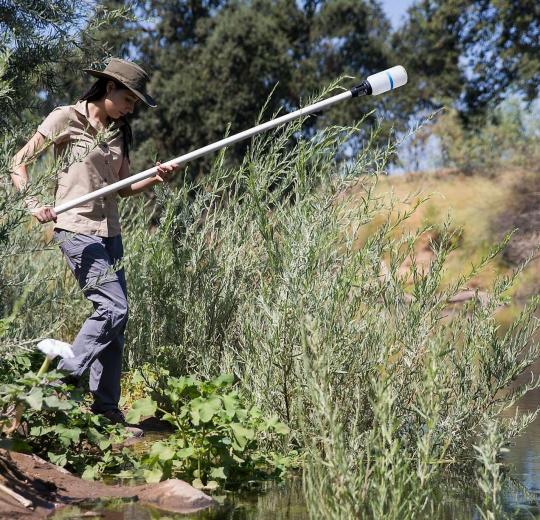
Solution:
(110, 86)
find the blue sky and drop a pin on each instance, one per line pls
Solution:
(395, 9)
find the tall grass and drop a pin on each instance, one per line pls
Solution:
(259, 271)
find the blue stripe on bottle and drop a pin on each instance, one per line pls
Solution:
(391, 80)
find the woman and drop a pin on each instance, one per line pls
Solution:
(90, 235)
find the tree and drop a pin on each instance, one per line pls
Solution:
(220, 68)
(470, 54)
(38, 38)
(502, 50)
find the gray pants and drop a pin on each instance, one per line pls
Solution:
(99, 344)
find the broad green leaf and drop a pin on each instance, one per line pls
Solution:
(218, 473)
(185, 453)
(166, 453)
(170, 418)
(241, 431)
(52, 401)
(94, 436)
(36, 431)
(89, 473)
(223, 380)
(281, 428)
(145, 406)
(157, 448)
(59, 460)
(205, 409)
(68, 435)
(35, 398)
(231, 403)
(241, 436)
(197, 483)
(241, 414)
(153, 476)
(104, 444)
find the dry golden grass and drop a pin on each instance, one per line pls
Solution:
(477, 207)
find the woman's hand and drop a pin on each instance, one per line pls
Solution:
(164, 171)
(44, 214)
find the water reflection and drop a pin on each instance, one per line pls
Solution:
(269, 501)
(523, 462)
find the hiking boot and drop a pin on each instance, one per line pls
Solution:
(117, 417)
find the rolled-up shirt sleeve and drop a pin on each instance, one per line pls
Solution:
(56, 125)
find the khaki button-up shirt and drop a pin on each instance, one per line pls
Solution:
(89, 166)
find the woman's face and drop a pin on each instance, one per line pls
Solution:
(119, 102)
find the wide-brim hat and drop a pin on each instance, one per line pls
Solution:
(129, 74)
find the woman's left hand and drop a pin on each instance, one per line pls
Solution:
(164, 171)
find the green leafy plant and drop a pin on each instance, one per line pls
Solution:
(56, 426)
(218, 435)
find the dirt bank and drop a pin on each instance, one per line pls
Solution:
(32, 488)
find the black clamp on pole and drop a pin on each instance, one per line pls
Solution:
(364, 89)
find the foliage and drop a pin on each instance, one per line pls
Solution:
(259, 270)
(490, 473)
(429, 388)
(36, 36)
(218, 435)
(509, 137)
(217, 61)
(54, 424)
(267, 272)
(470, 54)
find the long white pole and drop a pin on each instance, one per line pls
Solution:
(375, 84)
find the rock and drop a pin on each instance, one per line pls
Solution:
(175, 495)
(49, 487)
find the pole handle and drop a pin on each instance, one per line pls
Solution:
(373, 85)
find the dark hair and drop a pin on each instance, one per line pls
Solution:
(96, 92)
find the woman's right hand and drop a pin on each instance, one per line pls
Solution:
(44, 214)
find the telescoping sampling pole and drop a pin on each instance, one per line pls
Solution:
(374, 85)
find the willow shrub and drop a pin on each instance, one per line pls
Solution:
(259, 271)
